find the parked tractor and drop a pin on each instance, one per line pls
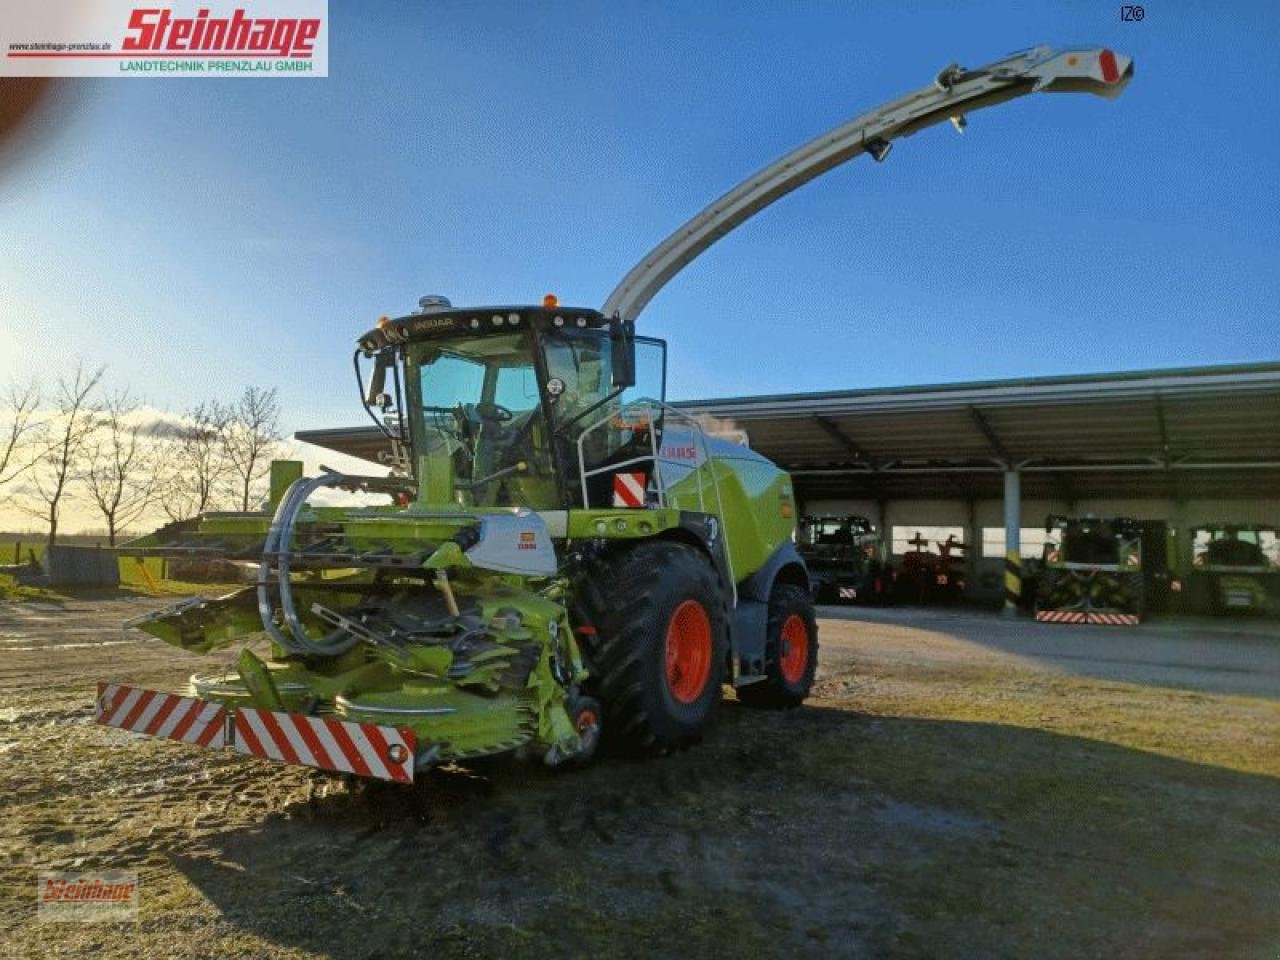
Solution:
(1234, 569)
(562, 557)
(1091, 571)
(846, 558)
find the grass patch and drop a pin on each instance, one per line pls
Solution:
(11, 591)
(21, 551)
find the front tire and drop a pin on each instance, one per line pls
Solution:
(657, 658)
(791, 652)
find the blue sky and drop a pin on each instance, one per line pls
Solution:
(200, 235)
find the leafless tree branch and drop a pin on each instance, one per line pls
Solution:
(18, 451)
(193, 464)
(251, 436)
(63, 438)
(119, 469)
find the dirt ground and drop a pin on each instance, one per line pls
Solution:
(960, 786)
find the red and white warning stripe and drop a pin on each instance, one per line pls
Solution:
(1115, 619)
(1061, 616)
(365, 749)
(161, 715)
(628, 489)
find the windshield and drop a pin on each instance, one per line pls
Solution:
(479, 409)
(480, 428)
(818, 532)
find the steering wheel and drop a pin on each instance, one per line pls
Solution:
(494, 411)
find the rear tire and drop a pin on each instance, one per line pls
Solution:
(791, 652)
(661, 634)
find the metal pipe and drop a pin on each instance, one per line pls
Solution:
(1012, 542)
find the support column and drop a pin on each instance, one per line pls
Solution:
(1012, 541)
(973, 537)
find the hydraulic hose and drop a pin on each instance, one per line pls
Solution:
(277, 544)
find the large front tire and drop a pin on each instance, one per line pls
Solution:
(791, 651)
(660, 618)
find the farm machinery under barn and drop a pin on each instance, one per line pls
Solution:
(928, 576)
(1235, 568)
(563, 556)
(846, 559)
(1092, 571)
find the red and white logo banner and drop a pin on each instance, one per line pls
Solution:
(165, 38)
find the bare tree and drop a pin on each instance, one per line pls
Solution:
(193, 464)
(18, 451)
(119, 470)
(250, 438)
(63, 439)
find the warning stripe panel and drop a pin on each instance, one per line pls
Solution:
(1115, 619)
(343, 746)
(628, 490)
(1080, 616)
(1061, 616)
(157, 714)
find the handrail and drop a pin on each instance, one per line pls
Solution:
(648, 406)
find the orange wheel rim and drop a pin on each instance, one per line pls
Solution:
(688, 653)
(795, 649)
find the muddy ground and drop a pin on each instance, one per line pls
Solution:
(961, 785)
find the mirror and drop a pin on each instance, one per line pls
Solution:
(622, 338)
(378, 380)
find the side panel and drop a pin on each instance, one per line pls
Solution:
(759, 585)
(758, 506)
(751, 618)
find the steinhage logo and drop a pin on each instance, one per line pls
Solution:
(135, 38)
(152, 29)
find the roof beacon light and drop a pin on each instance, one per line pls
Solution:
(433, 302)
(550, 301)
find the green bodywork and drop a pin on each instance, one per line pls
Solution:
(1092, 564)
(501, 672)
(1232, 569)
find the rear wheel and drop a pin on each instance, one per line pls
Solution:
(791, 651)
(657, 655)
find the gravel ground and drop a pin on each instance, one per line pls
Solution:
(960, 785)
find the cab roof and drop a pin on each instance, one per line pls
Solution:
(476, 321)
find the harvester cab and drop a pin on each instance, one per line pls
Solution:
(510, 406)
(1092, 571)
(1235, 568)
(562, 554)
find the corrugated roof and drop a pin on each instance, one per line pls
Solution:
(1200, 431)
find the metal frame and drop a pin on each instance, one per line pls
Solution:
(648, 406)
(954, 93)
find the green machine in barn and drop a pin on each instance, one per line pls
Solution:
(1092, 571)
(1235, 568)
(562, 557)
